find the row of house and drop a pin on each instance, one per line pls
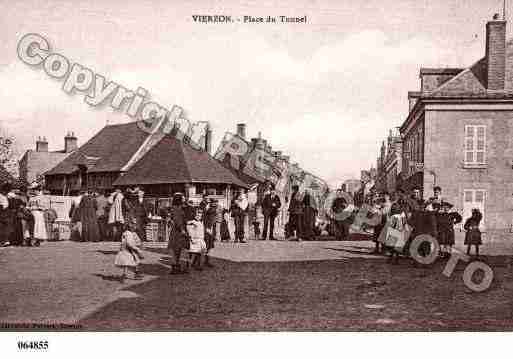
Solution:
(458, 135)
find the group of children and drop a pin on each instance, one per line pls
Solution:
(192, 235)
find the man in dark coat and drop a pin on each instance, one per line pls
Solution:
(270, 207)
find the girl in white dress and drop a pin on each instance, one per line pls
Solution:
(129, 255)
(198, 247)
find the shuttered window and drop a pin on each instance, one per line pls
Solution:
(475, 144)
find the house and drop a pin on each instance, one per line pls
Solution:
(34, 163)
(124, 155)
(459, 133)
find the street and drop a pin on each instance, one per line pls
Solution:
(272, 286)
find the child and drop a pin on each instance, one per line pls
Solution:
(445, 226)
(225, 232)
(198, 247)
(129, 254)
(397, 220)
(473, 235)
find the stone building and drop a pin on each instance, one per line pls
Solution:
(459, 133)
(34, 163)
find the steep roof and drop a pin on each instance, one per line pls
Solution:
(108, 151)
(172, 161)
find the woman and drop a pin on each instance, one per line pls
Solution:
(40, 228)
(117, 213)
(178, 238)
(74, 215)
(473, 235)
(87, 209)
(6, 215)
(445, 226)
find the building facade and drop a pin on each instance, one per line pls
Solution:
(459, 133)
(34, 163)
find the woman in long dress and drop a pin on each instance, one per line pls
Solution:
(87, 209)
(40, 229)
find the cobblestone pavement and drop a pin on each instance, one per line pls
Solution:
(281, 285)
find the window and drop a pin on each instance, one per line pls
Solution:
(475, 144)
(474, 198)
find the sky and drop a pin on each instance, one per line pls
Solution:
(325, 92)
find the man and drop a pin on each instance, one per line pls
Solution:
(296, 214)
(238, 208)
(436, 200)
(270, 207)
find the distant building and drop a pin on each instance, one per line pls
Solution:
(34, 163)
(352, 185)
(392, 165)
(458, 133)
(123, 155)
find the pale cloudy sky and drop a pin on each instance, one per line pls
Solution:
(325, 92)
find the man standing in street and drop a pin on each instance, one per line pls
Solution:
(270, 207)
(238, 208)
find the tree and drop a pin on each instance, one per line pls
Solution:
(7, 156)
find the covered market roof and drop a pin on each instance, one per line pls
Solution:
(173, 161)
(108, 151)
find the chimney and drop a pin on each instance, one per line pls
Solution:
(496, 53)
(241, 130)
(41, 144)
(70, 142)
(208, 139)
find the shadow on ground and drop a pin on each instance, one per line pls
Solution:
(342, 295)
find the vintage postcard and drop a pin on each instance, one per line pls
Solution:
(255, 166)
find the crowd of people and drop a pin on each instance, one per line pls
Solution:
(408, 217)
(24, 221)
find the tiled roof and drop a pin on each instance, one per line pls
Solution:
(108, 151)
(172, 161)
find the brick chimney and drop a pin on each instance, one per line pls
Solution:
(208, 139)
(496, 53)
(41, 144)
(70, 142)
(241, 130)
